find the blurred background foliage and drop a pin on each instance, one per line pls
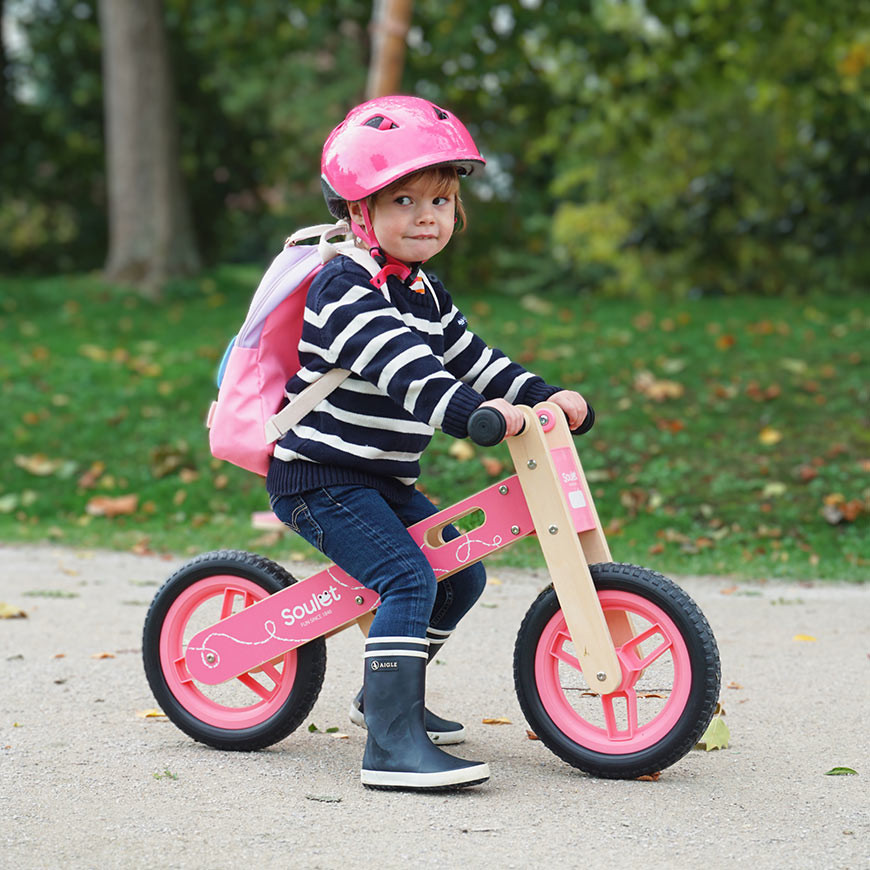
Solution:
(686, 147)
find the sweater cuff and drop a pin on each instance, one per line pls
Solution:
(462, 403)
(536, 391)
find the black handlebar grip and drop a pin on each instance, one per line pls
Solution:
(486, 426)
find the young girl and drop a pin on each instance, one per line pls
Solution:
(344, 477)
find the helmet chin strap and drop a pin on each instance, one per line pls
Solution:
(389, 265)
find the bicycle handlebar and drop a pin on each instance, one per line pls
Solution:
(486, 426)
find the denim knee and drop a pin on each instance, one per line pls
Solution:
(456, 595)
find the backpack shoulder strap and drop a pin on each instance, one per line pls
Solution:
(280, 424)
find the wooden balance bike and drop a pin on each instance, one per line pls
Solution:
(616, 668)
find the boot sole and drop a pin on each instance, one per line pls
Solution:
(442, 738)
(438, 781)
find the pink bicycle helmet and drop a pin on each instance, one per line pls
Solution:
(385, 139)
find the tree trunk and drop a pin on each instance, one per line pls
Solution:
(4, 85)
(150, 229)
(390, 22)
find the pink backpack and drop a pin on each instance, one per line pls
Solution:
(244, 422)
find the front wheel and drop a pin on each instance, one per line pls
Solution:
(253, 710)
(670, 669)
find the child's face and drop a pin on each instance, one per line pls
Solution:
(414, 221)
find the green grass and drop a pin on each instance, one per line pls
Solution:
(727, 427)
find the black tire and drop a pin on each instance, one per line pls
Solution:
(310, 658)
(683, 714)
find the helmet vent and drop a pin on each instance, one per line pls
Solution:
(440, 113)
(379, 122)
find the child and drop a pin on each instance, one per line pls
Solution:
(344, 476)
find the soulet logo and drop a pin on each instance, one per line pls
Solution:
(310, 607)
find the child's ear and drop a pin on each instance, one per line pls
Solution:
(355, 210)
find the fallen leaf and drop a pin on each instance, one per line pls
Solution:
(462, 451)
(672, 426)
(112, 506)
(733, 685)
(531, 735)
(536, 304)
(493, 467)
(38, 464)
(806, 473)
(650, 777)
(167, 459)
(795, 366)
(774, 489)
(89, 479)
(500, 720)
(657, 389)
(716, 736)
(769, 436)
(9, 502)
(151, 713)
(7, 611)
(808, 638)
(103, 655)
(142, 547)
(841, 771)
(94, 352)
(323, 798)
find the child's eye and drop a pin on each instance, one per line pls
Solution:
(441, 200)
(403, 200)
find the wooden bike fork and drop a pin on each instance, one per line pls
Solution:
(569, 533)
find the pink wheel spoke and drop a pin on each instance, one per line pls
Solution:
(632, 645)
(181, 670)
(558, 651)
(254, 686)
(227, 607)
(271, 672)
(613, 730)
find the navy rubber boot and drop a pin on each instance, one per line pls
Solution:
(442, 731)
(399, 753)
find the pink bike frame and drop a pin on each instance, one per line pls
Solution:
(548, 494)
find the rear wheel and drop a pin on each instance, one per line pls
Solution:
(670, 677)
(253, 710)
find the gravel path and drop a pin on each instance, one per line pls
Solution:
(86, 782)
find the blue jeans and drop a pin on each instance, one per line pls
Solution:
(365, 535)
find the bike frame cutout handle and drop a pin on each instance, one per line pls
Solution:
(506, 519)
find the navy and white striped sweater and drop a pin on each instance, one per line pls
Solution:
(415, 367)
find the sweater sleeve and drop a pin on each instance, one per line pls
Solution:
(487, 370)
(353, 326)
